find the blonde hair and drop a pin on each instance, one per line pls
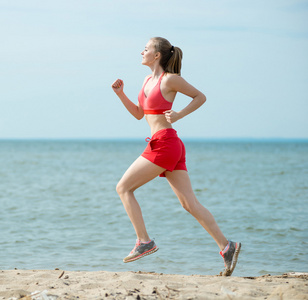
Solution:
(171, 57)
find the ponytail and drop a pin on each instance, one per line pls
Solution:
(171, 57)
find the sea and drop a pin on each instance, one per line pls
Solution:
(60, 209)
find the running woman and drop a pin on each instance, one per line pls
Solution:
(165, 153)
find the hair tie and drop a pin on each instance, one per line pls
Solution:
(172, 49)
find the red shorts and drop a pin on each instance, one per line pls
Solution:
(166, 150)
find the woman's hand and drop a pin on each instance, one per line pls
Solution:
(118, 86)
(172, 116)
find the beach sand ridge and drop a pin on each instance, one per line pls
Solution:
(59, 284)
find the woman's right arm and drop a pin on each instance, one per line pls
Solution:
(134, 109)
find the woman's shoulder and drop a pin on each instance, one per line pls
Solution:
(171, 75)
(172, 79)
(146, 78)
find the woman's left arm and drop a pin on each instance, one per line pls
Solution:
(178, 84)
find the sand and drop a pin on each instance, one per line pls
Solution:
(59, 284)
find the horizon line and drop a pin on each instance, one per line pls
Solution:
(302, 139)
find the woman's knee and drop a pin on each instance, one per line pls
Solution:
(120, 188)
(191, 206)
(123, 188)
(188, 207)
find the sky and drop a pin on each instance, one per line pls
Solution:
(58, 60)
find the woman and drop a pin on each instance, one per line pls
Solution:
(165, 153)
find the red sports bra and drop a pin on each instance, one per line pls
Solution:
(154, 103)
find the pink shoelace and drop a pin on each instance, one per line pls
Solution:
(138, 242)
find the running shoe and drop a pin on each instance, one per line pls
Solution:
(140, 250)
(230, 257)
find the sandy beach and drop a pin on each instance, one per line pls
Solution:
(59, 284)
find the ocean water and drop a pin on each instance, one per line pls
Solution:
(59, 207)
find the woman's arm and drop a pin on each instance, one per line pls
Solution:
(134, 109)
(178, 84)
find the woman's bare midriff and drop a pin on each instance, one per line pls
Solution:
(157, 122)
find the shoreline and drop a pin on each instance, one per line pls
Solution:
(60, 284)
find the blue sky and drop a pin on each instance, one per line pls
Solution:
(59, 58)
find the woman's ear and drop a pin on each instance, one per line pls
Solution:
(157, 55)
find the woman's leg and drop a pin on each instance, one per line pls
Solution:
(139, 173)
(181, 185)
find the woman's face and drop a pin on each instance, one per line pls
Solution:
(149, 55)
